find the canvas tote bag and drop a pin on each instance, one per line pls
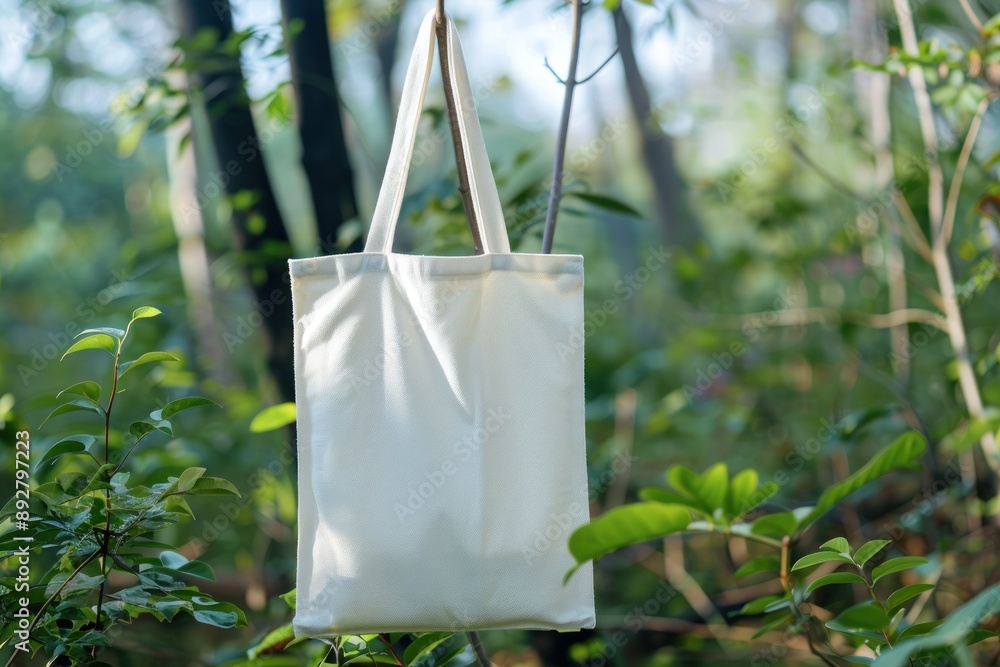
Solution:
(440, 418)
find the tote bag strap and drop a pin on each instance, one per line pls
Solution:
(485, 199)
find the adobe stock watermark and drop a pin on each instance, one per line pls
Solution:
(372, 368)
(635, 622)
(752, 329)
(563, 523)
(694, 46)
(626, 288)
(579, 159)
(785, 128)
(57, 342)
(22, 497)
(75, 154)
(471, 444)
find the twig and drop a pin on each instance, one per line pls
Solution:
(560, 157)
(973, 19)
(801, 316)
(45, 605)
(462, 166)
(479, 649)
(106, 540)
(951, 208)
(599, 67)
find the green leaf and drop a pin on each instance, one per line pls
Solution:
(901, 453)
(197, 568)
(869, 549)
(658, 494)
(836, 578)
(274, 417)
(423, 645)
(952, 632)
(73, 406)
(147, 358)
(625, 525)
(218, 618)
(897, 565)
(88, 389)
(98, 341)
(819, 557)
(139, 429)
(81, 583)
(758, 564)
(607, 203)
(906, 593)
(838, 545)
(745, 494)
(110, 331)
(74, 444)
(759, 605)
(172, 559)
(714, 486)
(213, 486)
(289, 598)
(173, 407)
(772, 622)
(777, 525)
(372, 659)
(188, 478)
(867, 619)
(274, 641)
(144, 312)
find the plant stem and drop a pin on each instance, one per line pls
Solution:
(786, 543)
(45, 605)
(479, 649)
(464, 188)
(951, 208)
(106, 539)
(560, 158)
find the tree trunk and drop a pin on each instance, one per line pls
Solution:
(676, 220)
(324, 151)
(259, 231)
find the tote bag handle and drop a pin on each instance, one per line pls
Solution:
(483, 189)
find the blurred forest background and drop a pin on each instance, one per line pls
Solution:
(813, 209)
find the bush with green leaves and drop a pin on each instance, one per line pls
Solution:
(280, 648)
(715, 503)
(87, 522)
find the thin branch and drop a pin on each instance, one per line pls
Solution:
(45, 605)
(560, 157)
(925, 114)
(802, 316)
(967, 380)
(554, 73)
(917, 238)
(462, 165)
(599, 67)
(479, 649)
(970, 12)
(951, 208)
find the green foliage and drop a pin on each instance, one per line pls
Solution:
(96, 524)
(714, 502)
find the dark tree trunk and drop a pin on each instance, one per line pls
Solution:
(324, 150)
(259, 231)
(676, 220)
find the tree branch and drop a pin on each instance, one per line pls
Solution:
(560, 157)
(942, 263)
(951, 208)
(973, 19)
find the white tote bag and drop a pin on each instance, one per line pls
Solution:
(440, 418)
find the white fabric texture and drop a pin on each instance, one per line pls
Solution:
(440, 419)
